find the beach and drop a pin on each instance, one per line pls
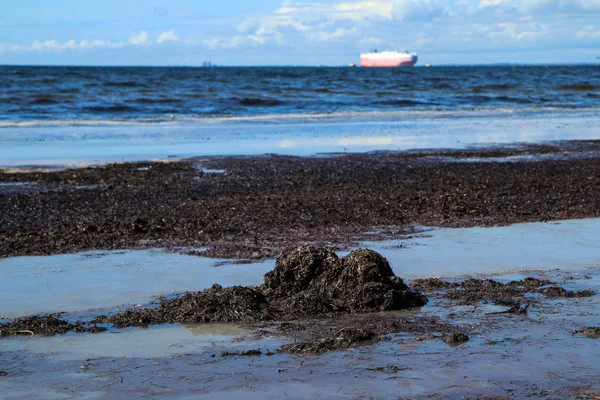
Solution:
(375, 200)
(119, 237)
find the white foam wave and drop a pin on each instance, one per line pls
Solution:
(343, 116)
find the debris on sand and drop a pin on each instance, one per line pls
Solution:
(43, 325)
(456, 338)
(284, 201)
(390, 369)
(510, 294)
(247, 353)
(590, 332)
(216, 304)
(556, 291)
(236, 250)
(341, 339)
(366, 330)
(308, 281)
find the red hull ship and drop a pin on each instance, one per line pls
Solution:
(388, 59)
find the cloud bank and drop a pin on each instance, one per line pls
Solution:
(318, 31)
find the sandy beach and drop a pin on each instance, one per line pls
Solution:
(300, 199)
(508, 230)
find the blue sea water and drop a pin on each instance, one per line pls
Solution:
(161, 94)
(98, 114)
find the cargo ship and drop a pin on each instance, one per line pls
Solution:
(388, 59)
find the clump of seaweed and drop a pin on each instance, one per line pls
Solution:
(307, 281)
(43, 325)
(509, 294)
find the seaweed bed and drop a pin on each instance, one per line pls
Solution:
(511, 294)
(267, 203)
(311, 284)
(44, 325)
(308, 281)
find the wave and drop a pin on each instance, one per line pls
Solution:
(339, 116)
(404, 103)
(478, 99)
(582, 87)
(488, 88)
(146, 100)
(115, 108)
(125, 84)
(259, 102)
(43, 101)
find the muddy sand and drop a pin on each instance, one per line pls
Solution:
(355, 324)
(316, 304)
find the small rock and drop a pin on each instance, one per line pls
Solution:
(456, 338)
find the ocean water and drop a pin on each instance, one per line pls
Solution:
(97, 114)
(165, 94)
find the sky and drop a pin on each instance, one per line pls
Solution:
(296, 32)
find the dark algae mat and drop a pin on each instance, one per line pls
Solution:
(261, 205)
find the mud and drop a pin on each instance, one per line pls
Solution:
(472, 291)
(237, 251)
(423, 356)
(247, 353)
(277, 202)
(456, 338)
(344, 334)
(44, 325)
(309, 281)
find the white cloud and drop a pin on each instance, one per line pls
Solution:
(336, 29)
(322, 20)
(369, 42)
(490, 3)
(286, 8)
(339, 33)
(234, 42)
(140, 38)
(361, 10)
(55, 46)
(516, 32)
(169, 36)
(73, 45)
(417, 10)
(589, 32)
(540, 7)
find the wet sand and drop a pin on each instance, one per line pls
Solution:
(259, 205)
(507, 356)
(536, 354)
(94, 142)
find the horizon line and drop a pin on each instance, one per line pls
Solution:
(498, 64)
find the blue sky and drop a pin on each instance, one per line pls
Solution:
(290, 32)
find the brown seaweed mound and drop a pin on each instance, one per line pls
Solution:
(313, 280)
(216, 304)
(307, 281)
(591, 332)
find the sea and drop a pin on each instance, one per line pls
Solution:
(83, 115)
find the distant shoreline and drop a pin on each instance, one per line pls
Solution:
(420, 65)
